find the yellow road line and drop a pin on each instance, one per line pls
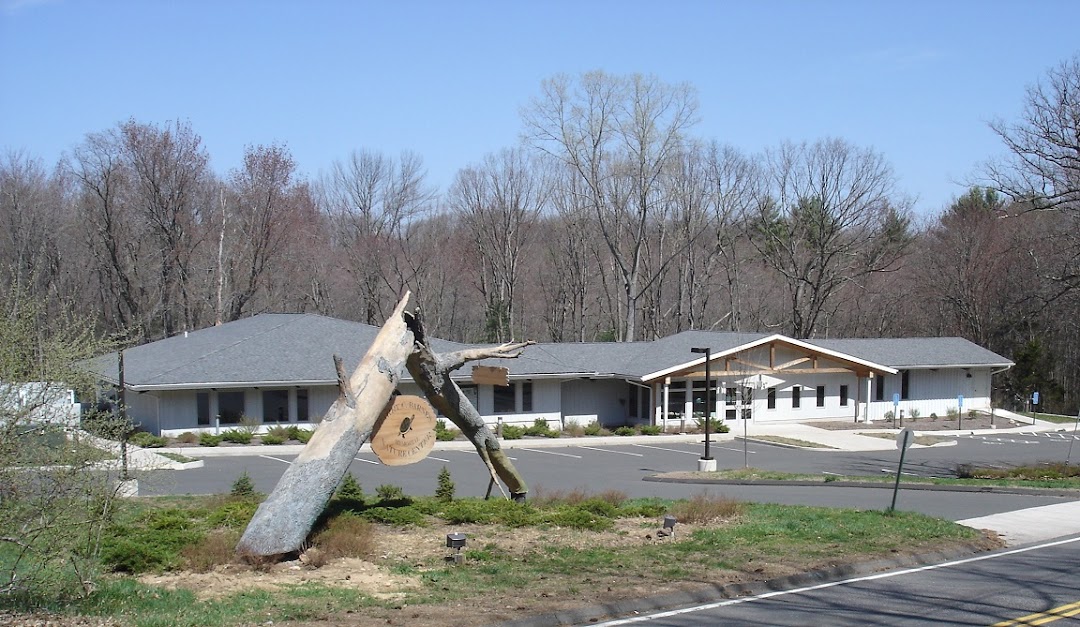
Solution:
(1041, 618)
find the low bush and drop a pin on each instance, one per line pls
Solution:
(575, 517)
(512, 432)
(300, 435)
(651, 429)
(573, 429)
(402, 516)
(706, 509)
(187, 437)
(147, 440)
(278, 431)
(237, 436)
(209, 439)
(593, 428)
(540, 428)
(243, 486)
(347, 535)
(350, 489)
(387, 492)
(443, 434)
(215, 549)
(626, 430)
(444, 491)
(271, 439)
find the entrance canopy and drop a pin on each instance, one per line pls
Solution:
(761, 362)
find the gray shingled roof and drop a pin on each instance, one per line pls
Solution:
(296, 348)
(915, 352)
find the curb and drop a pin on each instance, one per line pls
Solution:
(713, 593)
(928, 487)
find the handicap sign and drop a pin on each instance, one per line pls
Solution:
(1034, 398)
(896, 398)
(960, 400)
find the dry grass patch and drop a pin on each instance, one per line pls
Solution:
(706, 509)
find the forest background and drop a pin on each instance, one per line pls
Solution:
(607, 219)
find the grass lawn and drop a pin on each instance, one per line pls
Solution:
(377, 561)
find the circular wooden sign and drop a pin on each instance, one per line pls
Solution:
(407, 434)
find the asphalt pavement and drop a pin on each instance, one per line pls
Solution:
(1016, 527)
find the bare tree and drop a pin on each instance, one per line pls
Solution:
(827, 217)
(618, 135)
(271, 208)
(1043, 164)
(30, 217)
(500, 201)
(372, 200)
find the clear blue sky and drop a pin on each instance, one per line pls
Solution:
(915, 80)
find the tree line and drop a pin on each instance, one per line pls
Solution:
(609, 221)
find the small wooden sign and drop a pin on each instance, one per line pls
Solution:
(407, 433)
(490, 375)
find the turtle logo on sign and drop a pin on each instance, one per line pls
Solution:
(406, 434)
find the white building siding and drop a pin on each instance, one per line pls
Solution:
(586, 400)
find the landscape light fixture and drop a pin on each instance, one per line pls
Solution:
(669, 525)
(708, 397)
(456, 541)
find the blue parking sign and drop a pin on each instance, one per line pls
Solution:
(1034, 398)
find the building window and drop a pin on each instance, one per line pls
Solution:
(879, 388)
(202, 404)
(796, 396)
(633, 392)
(905, 384)
(729, 396)
(526, 396)
(230, 406)
(676, 402)
(821, 396)
(843, 396)
(275, 405)
(772, 398)
(504, 399)
(470, 392)
(302, 414)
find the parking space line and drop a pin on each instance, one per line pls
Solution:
(438, 459)
(276, 459)
(672, 450)
(604, 450)
(534, 450)
(366, 461)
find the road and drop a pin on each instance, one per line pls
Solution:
(598, 468)
(1006, 587)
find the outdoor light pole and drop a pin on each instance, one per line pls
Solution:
(708, 406)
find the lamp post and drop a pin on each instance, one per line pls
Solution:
(706, 462)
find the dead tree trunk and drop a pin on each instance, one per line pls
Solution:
(284, 519)
(432, 373)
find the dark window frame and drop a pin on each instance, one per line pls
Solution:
(796, 396)
(772, 398)
(843, 395)
(821, 396)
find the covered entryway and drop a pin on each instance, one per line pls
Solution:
(773, 379)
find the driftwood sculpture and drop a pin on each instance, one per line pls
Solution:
(283, 521)
(432, 373)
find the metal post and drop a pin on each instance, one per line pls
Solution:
(899, 469)
(1068, 457)
(708, 393)
(122, 413)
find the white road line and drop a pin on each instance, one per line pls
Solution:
(728, 448)
(604, 450)
(822, 586)
(276, 459)
(438, 459)
(534, 450)
(672, 450)
(366, 461)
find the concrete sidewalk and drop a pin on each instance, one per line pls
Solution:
(1034, 524)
